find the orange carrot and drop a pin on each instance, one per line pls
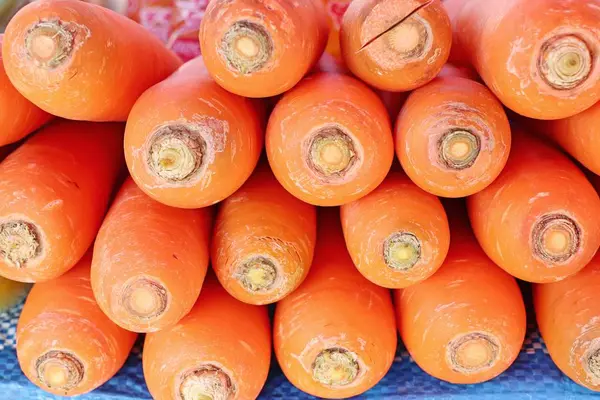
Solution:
(262, 49)
(197, 147)
(453, 137)
(567, 314)
(335, 336)
(329, 140)
(264, 240)
(459, 71)
(539, 219)
(579, 135)
(396, 45)
(65, 344)
(18, 116)
(540, 57)
(54, 191)
(149, 261)
(81, 61)
(397, 235)
(465, 324)
(220, 350)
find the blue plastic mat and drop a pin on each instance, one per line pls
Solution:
(532, 376)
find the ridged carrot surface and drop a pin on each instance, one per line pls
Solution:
(264, 240)
(397, 235)
(65, 343)
(150, 260)
(539, 219)
(335, 336)
(189, 143)
(329, 140)
(54, 191)
(221, 350)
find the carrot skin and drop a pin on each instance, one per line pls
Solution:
(69, 326)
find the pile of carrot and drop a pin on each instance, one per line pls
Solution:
(396, 189)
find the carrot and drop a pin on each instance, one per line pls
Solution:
(578, 135)
(538, 220)
(264, 240)
(453, 137)
(397, 235)
(329, 140)
(335, 336)
(149, 261)
(54, 191)
(18, 116)
(81, 61)
(65, 344)
(396, 45)
(262, 49)
(198, 147)
(541, 64)
(465, 324)
(459, 71)
(567, 314)
(220, 350)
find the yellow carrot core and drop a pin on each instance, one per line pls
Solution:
(555, 238)
(144, 299)
(59, 370)
(206, 383)
(331, 152)
(176, 153)
(409, 38)
(258, 274)
(402, 251)
(19, 242)
(592, 364)
(246, 47)
(335, 367)
(49, 44)
(458, 149)
(565, 62)
(472, 353)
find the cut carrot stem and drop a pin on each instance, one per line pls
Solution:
(199, 147)
(264, 240)
(335, 335)
(54, 191)
(221, 350)
(567, 314)
(153, 278)
(396, 46)
(262, 49)
(540, 64)
(538, 220)
(81, 61)
(465, 324)
(452, 137)
(397, 235)
(18, 116)
(329, 140)
(65, 343)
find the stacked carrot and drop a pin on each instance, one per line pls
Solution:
(114, 153)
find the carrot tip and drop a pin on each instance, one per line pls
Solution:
(176, 152)
(257, 274)
(49, 43)
(402, 251)
(335, 367)
(206, 383)
(565, 62)
(59, 370)
(458, 149)
(19, 242)
(472, 353)
(331, 153)
(144, 299)
(555, 238)
(246, 47)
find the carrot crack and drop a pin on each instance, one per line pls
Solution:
(246, 47)
(207, 382)
(59, 370)
(335, 367)
(555, 238)
(19, 242)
